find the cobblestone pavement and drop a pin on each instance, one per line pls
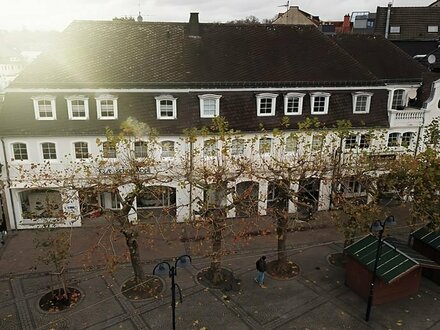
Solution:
(316, 299)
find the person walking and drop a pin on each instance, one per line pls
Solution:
(261, 269)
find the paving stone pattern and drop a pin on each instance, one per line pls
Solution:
(316, 299)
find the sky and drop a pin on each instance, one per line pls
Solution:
(58, 14)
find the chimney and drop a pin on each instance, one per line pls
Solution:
(194, 25)
(387, 23)
(346, 25)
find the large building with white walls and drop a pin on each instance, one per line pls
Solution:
(175, 76)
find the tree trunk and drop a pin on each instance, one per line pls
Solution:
(216, 238)
(133, 248)
(282, 239)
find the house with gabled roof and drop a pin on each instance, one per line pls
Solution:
(413, 29)
(174, 76)
(398, 272)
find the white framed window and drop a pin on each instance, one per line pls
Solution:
(354, 141)
(266, 103)
(108, 150)
(317, 142)
(293, 103)
(351, 187)
(78, 107)
(407, 139)
(291, 144)
(393, 140)
(168, 149)
(140, 149)
(265, 146)
(81, 150)
(432, 28)
(49, 150)
(19, 151)
(237, 147)
(107, 107)
(395, 29)
(44, 107)
(364, 141)
(109, 200)
(351, 141)
(361, 102)
(319, 103)
(398, 100)
(209, 105)
(166, 107)
(210, 148)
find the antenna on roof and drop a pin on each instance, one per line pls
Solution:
(286, 5)
(139, 18)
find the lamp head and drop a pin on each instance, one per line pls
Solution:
(183, 261)
(376, 227)
(162, 269)
(390, 221)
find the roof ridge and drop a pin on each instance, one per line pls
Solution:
(400, 251)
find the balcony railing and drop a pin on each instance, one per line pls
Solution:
(406, 117)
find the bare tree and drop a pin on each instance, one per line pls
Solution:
(213, 165)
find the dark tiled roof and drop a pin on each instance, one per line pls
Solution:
(413, 48)
(380, 56)
(115, 53)
(413, 22)
(239, 108)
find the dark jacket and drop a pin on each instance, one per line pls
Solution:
(261, 265)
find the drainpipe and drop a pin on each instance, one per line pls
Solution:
(8, 180)
(387, 24)
(191, 150)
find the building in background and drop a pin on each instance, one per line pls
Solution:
(416, 30)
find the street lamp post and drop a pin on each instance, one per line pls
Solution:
(164, 268)
(377, 227)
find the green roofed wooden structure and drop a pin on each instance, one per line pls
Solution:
(427, 243)
(398, 271)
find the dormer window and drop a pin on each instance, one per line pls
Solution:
(209, 105)
(398, 100)
(44, 108)
(293, 103)
(319, 103)
(107, 107)
(361, 102)
(432, 28)
(166, 107)
(78, 107)
(395, 29)
(266, 103)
